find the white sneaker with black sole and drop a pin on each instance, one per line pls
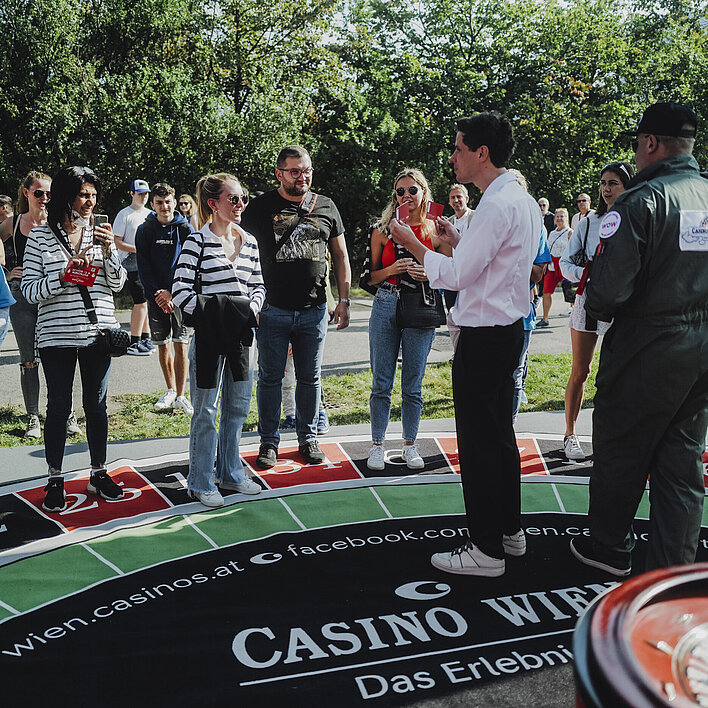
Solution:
(469, 560)
(572, 448)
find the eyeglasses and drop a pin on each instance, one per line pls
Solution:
(400, 191)
(236, 198)
(184, 204)
(39, 193)
(295, 173)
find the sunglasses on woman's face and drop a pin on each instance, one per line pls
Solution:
(236, 198)
(184, 203)
(400, 191)
(39, 193)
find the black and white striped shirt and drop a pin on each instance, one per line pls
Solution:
(218, 274)
(61, 318)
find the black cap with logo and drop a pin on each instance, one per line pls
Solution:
(671, 119)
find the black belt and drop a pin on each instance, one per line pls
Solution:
(389, 286)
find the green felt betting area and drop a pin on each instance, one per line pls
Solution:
(49, 576)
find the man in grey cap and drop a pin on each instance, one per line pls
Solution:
(651, 406)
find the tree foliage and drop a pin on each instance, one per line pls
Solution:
(171, 89)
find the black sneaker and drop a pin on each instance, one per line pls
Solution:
(311, 453)
(102, 485)
(54, 500)
(267, 456)
(615, 563)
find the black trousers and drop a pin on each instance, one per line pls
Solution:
(490, 466)
(650, 417)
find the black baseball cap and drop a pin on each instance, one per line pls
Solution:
(667, 119)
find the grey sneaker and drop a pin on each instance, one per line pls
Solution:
(248, 486)
(572, 448)
(311, 453)
(515, 545)
(72, 425)
(468, 560)
(412, 457)
(376, 461)
(34, 430)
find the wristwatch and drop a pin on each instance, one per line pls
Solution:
(346, 301)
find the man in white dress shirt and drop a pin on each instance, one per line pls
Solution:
(459, 199)
(490, 268)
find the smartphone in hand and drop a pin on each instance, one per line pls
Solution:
(99, 220)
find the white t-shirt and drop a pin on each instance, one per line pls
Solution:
(126, 224)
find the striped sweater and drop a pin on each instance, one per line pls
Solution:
(61, 318)
(218, 274)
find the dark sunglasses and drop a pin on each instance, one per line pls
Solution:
(411, 190)
(184, 204)
(236, 198)
(39, 193)
(581, 201)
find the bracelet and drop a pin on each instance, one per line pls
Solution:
(346, 301)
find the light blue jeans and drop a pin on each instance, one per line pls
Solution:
(4, 322)
(385, 339)
(205, 444)
(306, 330)
(520, 374)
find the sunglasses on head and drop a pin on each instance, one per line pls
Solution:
(400, 191)
(39, 193)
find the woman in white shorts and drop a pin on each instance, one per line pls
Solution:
(584, 331)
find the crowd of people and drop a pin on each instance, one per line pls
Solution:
(214, 279)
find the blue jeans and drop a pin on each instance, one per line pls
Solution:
(4, 322)
(385, 339)
(205, 444)
(520, 374)
(59, 364)
(305, 330)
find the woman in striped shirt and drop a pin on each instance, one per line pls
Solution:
(219, 260)
(65, 335)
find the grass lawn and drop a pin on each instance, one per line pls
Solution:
(347, 399)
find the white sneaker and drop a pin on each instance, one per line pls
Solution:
(568, 312)
(210, 499)
(166, 400)
(72, 425)
(248, 486)
(572, 448)
(468, 560)
(515, 545)
(182, 403)
(376, 458)
(34, 429)
(413, 459)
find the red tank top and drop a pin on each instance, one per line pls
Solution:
(389, 255)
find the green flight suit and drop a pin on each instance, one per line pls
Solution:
(651, 406)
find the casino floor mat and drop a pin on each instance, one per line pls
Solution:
(319, 587)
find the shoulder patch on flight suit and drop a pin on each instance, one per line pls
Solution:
(609, 224)
(693, 231)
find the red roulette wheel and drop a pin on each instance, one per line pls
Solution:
(645, 642)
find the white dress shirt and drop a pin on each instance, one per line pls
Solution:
(491, 265)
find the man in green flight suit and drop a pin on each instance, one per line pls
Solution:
(651, 406)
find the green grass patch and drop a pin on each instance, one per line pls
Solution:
(347, 398)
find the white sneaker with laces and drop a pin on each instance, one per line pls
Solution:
(376, 459)
(468, 560)
(210, 499)
(412, 457)
(248, 486)
(572, 448)
(166, 400)
(515, 545)
(182, 403)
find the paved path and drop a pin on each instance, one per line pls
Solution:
(345, 351)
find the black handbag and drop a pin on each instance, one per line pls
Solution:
(117, 340)
(580, 258)
(419, 307)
